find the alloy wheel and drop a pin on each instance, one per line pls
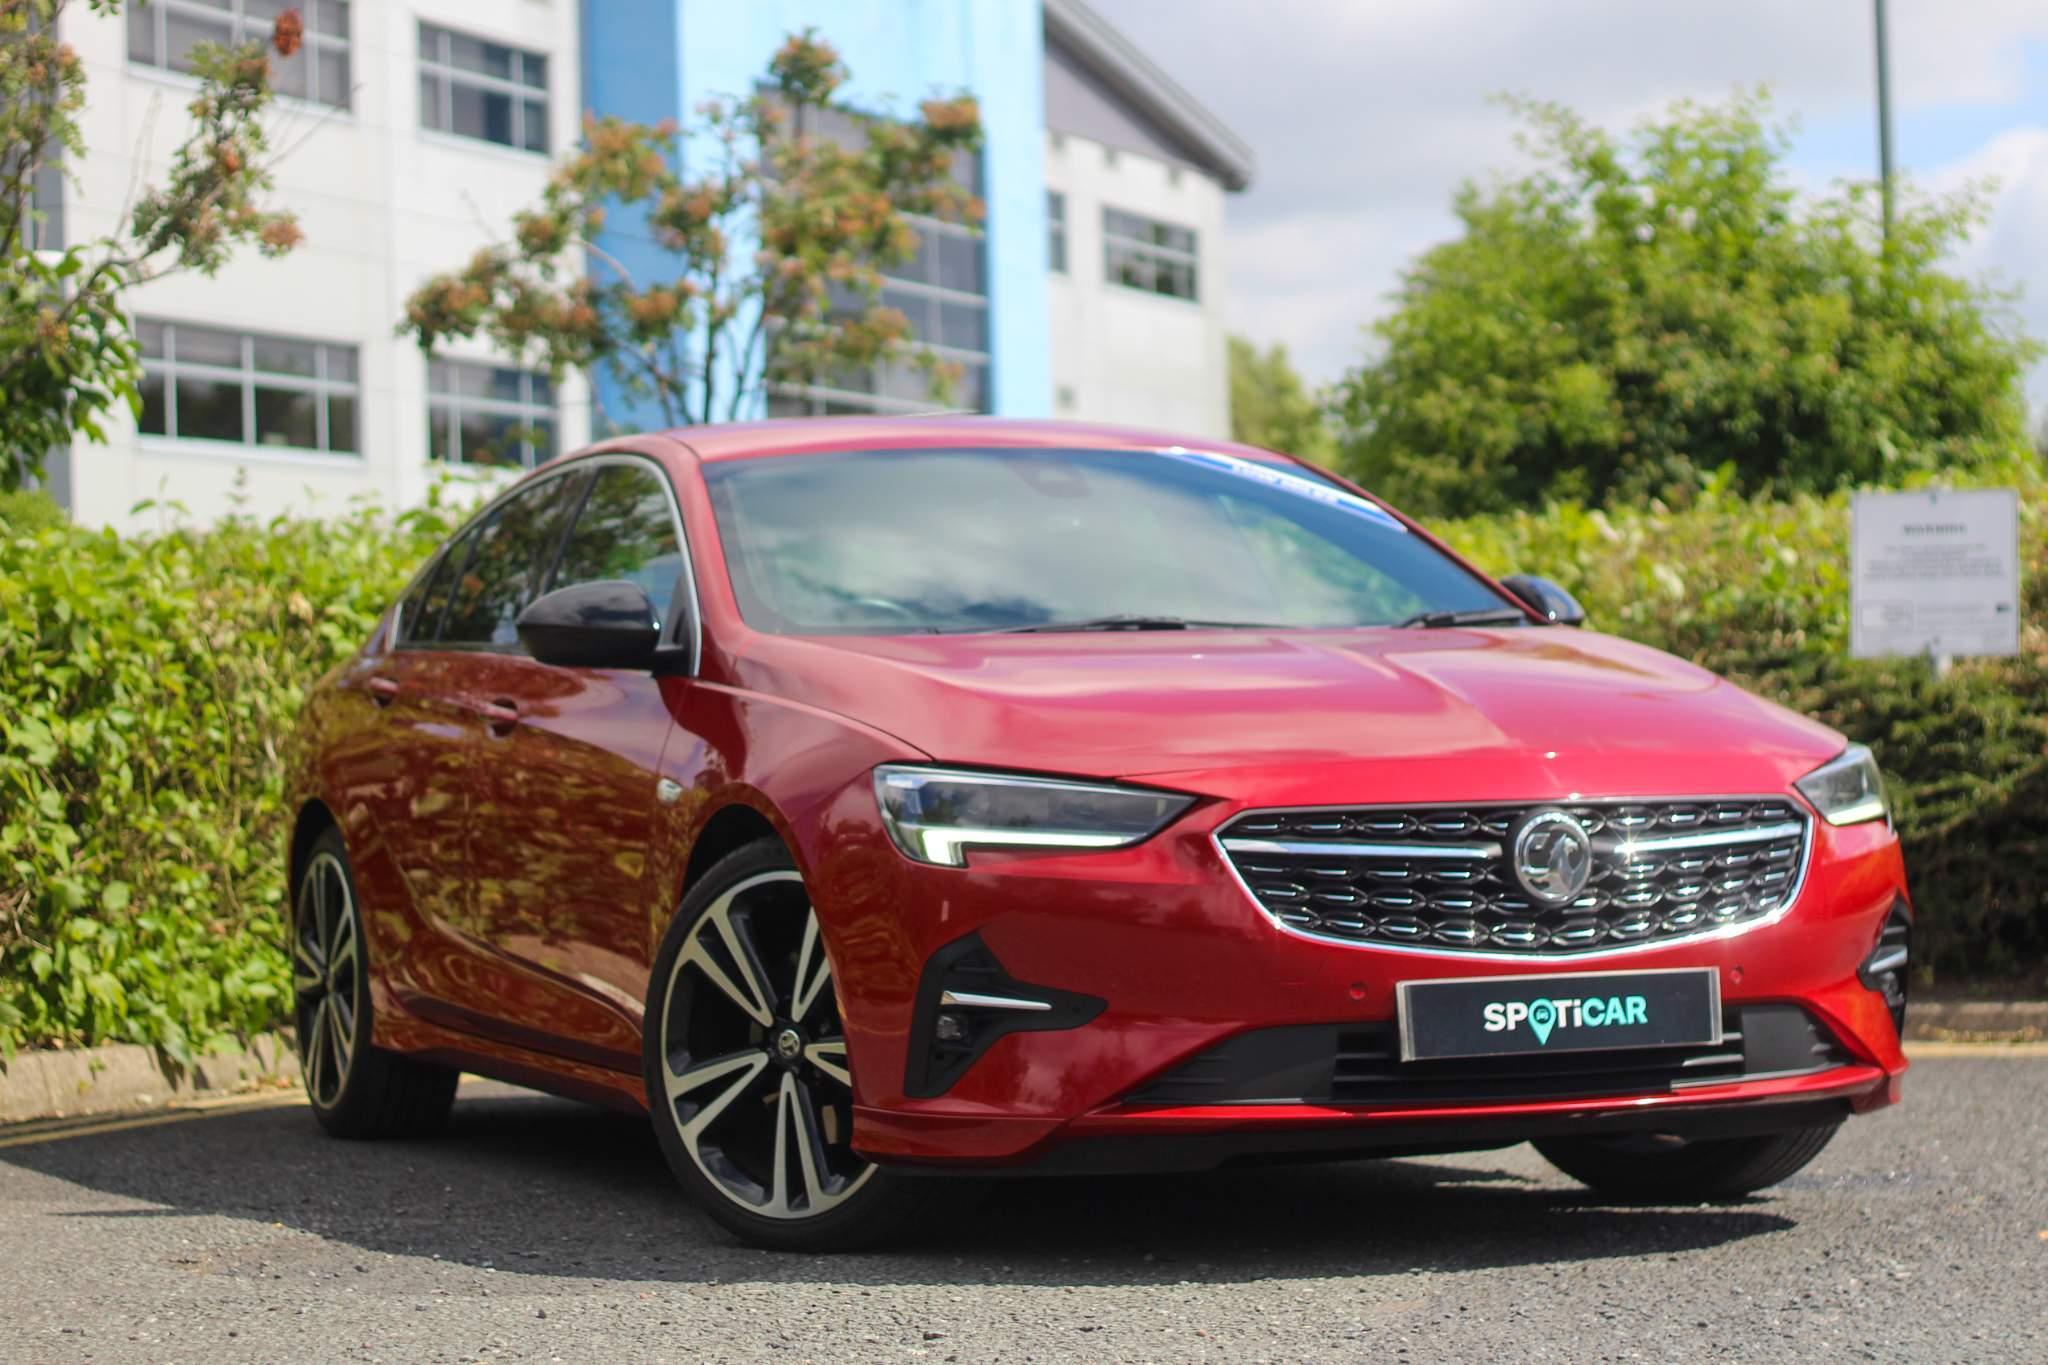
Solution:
(753, 1055)
(326, 967)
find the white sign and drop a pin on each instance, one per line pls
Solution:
(1935, 572)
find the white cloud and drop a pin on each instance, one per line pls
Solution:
(1366, 115)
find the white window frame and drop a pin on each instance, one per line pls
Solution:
(442, 68)
(446, 405)
(247, 28)
(249, 378)
(1154, 252)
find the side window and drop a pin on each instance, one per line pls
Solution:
(513, 550)
(424, 625)
(626, 531)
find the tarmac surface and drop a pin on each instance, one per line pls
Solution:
(536, 1229)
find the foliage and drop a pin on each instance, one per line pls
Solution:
(1632, 313)
(149, 683)
(66, 356)
(151, 680)
(1271, 407)
(1758, 591)
(777, 246)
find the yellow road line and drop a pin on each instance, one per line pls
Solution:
(58, 1130)
(1944, 1049)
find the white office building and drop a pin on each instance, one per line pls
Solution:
(1137, 173)
(410, 132)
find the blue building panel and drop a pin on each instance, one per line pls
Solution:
(651, 59)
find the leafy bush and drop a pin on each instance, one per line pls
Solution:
(147, 684)
(1758, 591)
(1632, 311)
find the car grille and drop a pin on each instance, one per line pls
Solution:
(1441, 876)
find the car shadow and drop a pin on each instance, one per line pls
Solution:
(530, 1185)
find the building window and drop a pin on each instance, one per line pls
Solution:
(943, 291)
(163, 33)
(1056, 230)
(1143, 253)
(43, 225)
(483, 90)
(205, 384)
(489, 414)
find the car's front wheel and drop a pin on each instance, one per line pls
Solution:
(747, 1073)
(1655, 1168)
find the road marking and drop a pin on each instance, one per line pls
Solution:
(59, 1130)
(1943, 1049)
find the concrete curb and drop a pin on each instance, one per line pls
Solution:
(2017, 1021)
(123, 1076)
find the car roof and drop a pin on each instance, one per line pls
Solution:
(811, 435)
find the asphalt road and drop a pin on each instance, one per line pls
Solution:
(540, 1230)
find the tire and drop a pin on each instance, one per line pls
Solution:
(357, 1090)
(747, 1074)
(1648, 1168)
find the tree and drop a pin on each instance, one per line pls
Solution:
(66, 355)
(777, 246)
(1271, 407)
(1632, 314)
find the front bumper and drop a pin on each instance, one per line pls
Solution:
(1182, 961)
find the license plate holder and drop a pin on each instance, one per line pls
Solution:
(1531, 1015)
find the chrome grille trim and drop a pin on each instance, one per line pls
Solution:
(1762, 834)
(1413, 887)
(1337, 850)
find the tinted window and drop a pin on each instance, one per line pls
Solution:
(626, 531)
(895, 542)
(513, 551)
(433, 599)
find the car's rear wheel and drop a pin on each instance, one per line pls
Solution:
(747, 1072)
(357, 1090)
(1656, 1168)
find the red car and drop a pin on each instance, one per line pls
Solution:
(875, 800)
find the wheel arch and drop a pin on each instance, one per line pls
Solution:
(313, 820)
(727, 829)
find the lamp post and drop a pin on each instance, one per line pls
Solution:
(1884, 121)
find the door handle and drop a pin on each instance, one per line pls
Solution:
(383, 690)
(500, 715)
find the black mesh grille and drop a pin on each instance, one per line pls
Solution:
(1442, 876)
(1361, 1064)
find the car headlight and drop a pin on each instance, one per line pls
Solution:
(936, 814)
(1846, 790)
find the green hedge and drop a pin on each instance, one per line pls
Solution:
(148, 683)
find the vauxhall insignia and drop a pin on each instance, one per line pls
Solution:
(1553, 857)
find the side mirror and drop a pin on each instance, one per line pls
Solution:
(592, 625)
(1548, 600)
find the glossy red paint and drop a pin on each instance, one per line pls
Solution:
(517, 871)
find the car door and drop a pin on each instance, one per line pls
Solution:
(563, 799)
(407, 771)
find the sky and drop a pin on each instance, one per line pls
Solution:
(1366, 115)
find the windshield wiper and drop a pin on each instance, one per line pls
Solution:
(1484, 616)
(1130, 622)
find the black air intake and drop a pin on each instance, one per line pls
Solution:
(1890, 962)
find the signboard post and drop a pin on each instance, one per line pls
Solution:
(1934, 572)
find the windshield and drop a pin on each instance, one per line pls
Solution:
(895, 542)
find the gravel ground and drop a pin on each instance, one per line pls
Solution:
(540, 1230)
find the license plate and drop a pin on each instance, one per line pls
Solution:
(1493, 1016)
